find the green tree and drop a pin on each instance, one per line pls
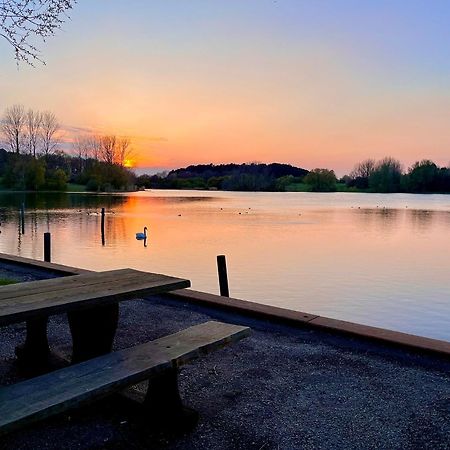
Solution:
(422, 176)
(387, 176)
(282, 183)
(144, 181)
(57, 180)
(34, 174)
(359, 176)
(215, 182)
(321, 180)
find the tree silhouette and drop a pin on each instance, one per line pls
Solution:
(321, 180)
(12, 126)
(23, 20)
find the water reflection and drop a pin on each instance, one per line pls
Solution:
(58, 200)
(336, 255)
(383, 219)
(386, 220)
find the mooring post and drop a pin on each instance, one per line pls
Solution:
(35, 352)
(103, 226)
(22, 217)
(223, 277)
(47, 247)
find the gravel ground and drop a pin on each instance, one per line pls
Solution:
(282, 388)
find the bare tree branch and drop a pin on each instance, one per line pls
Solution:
(95, 146)
(363, 169)
(124, 151)
(33, 121)
(49, 128)
(12, 126)
(21, 21)
(109, 149)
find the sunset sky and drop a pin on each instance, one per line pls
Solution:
(312, 83)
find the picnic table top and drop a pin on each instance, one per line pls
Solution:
(22, 301)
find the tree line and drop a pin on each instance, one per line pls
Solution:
(231, 177)
(383, 176)
(387, 175)
(34, 159)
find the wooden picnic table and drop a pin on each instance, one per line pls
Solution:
(91, 301)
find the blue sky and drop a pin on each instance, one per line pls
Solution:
(313, 83)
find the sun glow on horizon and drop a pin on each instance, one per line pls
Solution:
(312, 84)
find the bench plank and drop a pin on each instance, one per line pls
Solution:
(27, 262)
(61, 283)
(80, 291)
(55, 392)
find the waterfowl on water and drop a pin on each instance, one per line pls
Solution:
(140, 236)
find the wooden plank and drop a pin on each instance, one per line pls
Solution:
(380, 334)
(53, 284)
(50, 394)
(244, 306)
(63, 283)
(132, 285)
(129, 284)
(28, 262)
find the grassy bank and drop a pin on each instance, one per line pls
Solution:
(303, 187)
(5, 281)
(72, 187)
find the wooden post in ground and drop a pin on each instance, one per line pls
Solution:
(34, 353)
(47, 247)
(103, 226)
(223, 277)
(22, 218)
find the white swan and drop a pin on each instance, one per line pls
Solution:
(140, 236)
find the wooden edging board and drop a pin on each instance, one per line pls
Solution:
(414, 342)
(56, 268)
(417, 343)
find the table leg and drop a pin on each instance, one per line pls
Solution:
(93, 331)
(164, 405)
(34, 354)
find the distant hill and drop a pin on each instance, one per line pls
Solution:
(227, 177)
(206, 171)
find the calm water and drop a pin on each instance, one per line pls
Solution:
(382, 260)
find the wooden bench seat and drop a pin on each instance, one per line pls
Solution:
(79, 384)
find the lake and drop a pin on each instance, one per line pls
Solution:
(377, 259)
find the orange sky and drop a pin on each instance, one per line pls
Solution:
(191, 91)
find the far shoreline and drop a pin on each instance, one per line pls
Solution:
(79, 191)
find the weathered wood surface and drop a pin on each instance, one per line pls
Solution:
(50, 394)
(28, 262)
(23, 301)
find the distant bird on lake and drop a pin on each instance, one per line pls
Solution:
(140, 236)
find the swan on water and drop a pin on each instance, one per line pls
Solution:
(140, 236)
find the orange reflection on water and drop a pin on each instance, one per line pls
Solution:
(381, 260)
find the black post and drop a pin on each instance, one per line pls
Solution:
(223, 277)
(47, 247)
(34, 354)
(103, 226)
(22, 217)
